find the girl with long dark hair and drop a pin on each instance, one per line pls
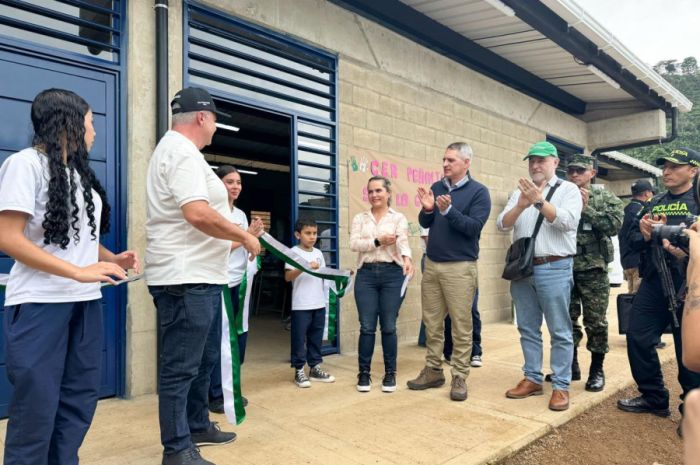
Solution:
(52, 212)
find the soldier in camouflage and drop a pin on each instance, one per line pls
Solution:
(601, 218)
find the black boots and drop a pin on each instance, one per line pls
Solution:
(575, 368)
(596, 377)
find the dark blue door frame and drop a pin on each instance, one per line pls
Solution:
(302, 110)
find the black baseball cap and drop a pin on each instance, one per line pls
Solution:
(681, 156)
(194, 99)
(641, 186)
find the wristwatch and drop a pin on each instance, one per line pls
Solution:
(539, 204)
(376, 243)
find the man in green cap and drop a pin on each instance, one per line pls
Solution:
(601, 218)
(547, 292)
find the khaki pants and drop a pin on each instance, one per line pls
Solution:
(633, 280)
(447, 288)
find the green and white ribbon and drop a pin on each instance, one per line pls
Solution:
(339, 281)
(3, 281)
(231, 328)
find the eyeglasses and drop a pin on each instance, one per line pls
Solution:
(576, 170)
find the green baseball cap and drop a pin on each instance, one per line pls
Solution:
(582, 161)
(681, 156)
(542, 149)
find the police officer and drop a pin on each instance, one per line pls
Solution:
(601, 218)
(651, 315)
(642, 192)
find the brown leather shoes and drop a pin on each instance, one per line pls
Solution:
(525, 388)
(559, 400)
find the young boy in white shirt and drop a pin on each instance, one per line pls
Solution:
(308, 308)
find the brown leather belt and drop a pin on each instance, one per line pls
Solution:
(548, 259)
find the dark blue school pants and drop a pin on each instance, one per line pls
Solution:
(53, 357)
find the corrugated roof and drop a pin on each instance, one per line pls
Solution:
(633, 162)
(518, 42)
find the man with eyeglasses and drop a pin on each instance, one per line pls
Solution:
(601, 218)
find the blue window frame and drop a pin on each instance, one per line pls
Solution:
(246, 64)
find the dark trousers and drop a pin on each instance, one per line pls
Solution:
(190, 343)
(53, 356)
(648, 319)
(307, 337)
(378, 297)
(476, 335)
(215, 391)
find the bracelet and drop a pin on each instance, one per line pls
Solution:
(429, 211)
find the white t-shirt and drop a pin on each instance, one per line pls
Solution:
(24, 187)
(238, 260)
(176, 251)
(308, 293)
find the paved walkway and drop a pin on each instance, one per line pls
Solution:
(334, 424)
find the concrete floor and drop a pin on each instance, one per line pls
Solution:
(333, 423)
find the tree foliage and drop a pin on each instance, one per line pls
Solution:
(686, 78)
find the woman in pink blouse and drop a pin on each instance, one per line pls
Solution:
(380, 236)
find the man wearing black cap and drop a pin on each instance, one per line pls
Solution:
(650, 314)
(188, 242)
(642, 192)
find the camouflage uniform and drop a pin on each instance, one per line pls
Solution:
(601, 219)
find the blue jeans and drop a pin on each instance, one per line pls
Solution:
(546, 293)
(54, 354)
(187, 332)
(378, 296)
(307, 337)
(215, 390)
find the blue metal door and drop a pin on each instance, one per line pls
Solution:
(22, 76)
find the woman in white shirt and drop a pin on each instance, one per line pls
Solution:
(380, 236)
(52, 212)
(237, 269)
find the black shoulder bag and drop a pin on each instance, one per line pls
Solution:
(521, 252)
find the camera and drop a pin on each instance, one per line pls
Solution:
(674, 234)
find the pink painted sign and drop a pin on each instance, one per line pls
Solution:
(405, 174)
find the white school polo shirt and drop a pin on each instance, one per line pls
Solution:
(309, 292)
(24, 187)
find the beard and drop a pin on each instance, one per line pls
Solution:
(538, 177)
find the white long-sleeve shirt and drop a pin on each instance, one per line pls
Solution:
(555, 238)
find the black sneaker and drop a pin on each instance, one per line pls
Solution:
(213, 437)
(300, 378)
(317, 374)
(364, 381)
(186, 457)
(389, 382)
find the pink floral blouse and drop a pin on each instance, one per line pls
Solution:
(365, 230)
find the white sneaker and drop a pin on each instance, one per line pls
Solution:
(317, 374)
(300, 379)
(476, 361)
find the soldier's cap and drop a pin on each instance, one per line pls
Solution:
(194, 99)
(542, 149)
(581, 161)
(642, 185)
(681, 156)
